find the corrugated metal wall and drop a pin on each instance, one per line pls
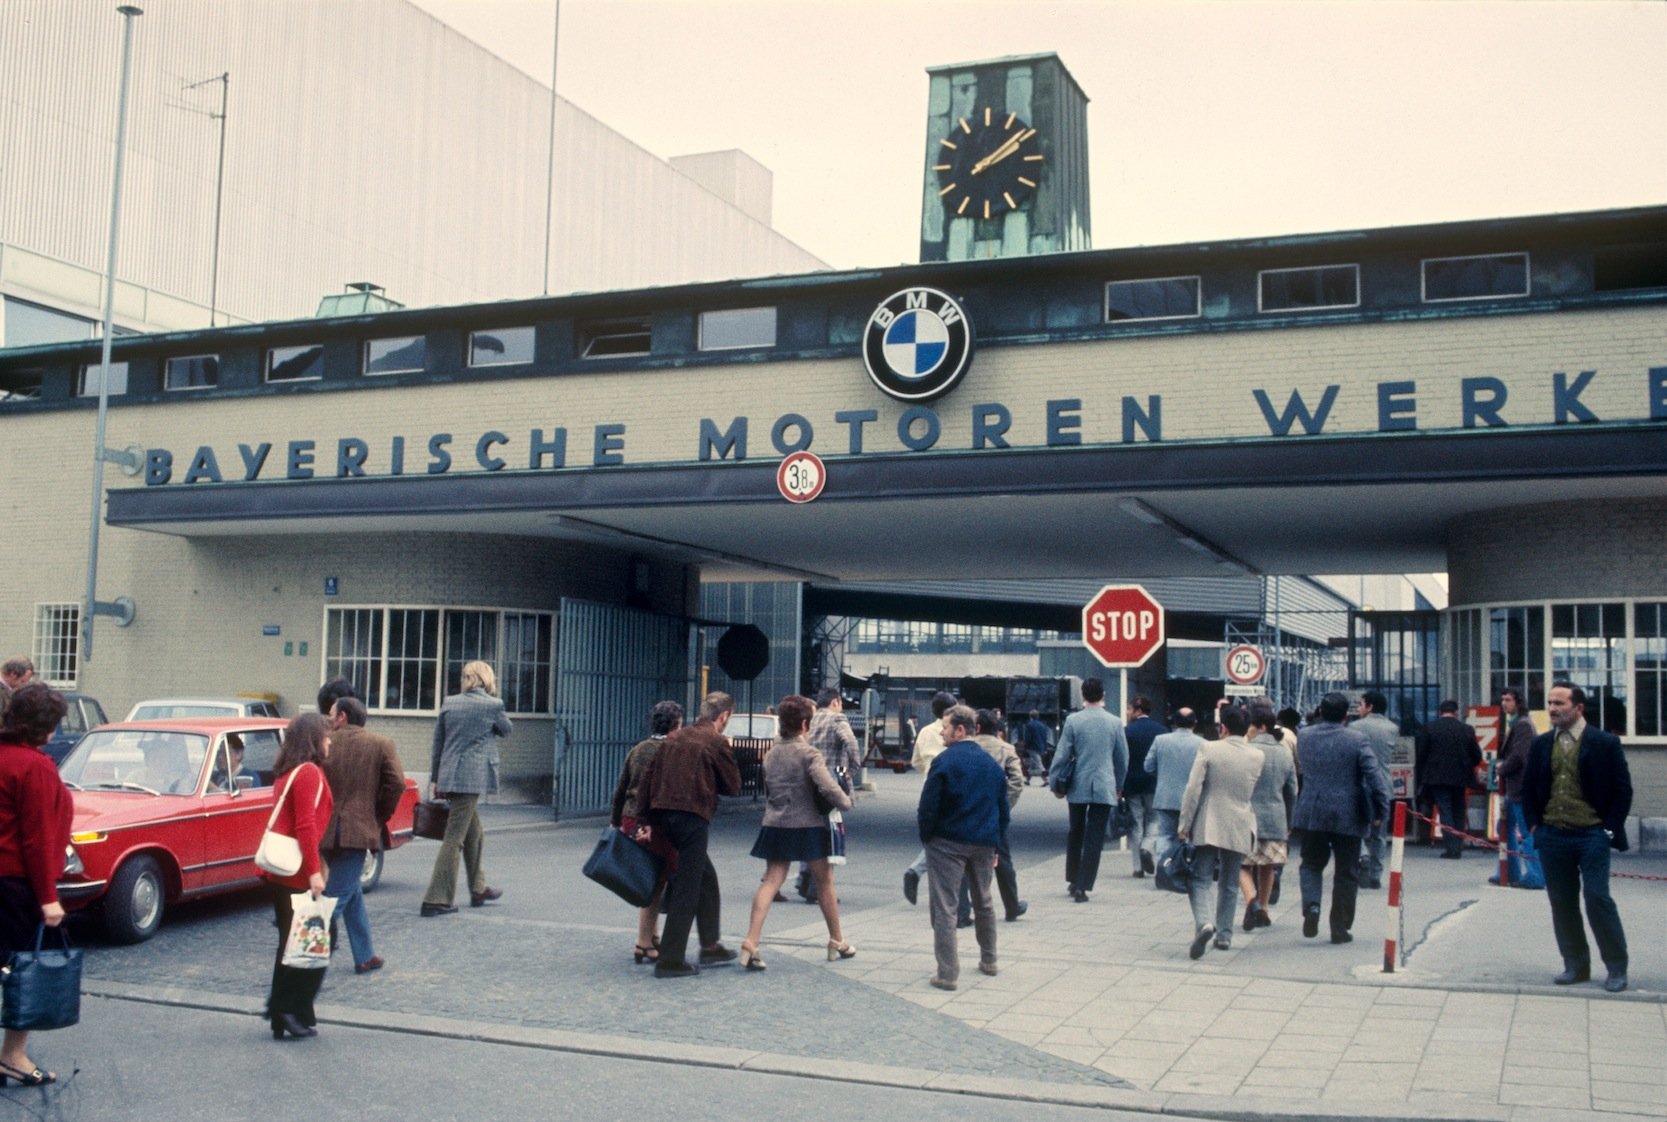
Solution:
(365, 141)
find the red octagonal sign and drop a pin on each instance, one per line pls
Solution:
(1122, 625)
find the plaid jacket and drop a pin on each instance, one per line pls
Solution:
(465, 757)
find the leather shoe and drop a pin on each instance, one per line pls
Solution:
(1341, 937)
(1200, 941)
(1616, 982)
(716, 955)
(439, 909)
(963, 921)
(664, 969)
(911, 885)
(375, 962)
(1224, 940)
(1079, 895)
(1024, 906)
(1310, 921)
(287, 1022)
(1147, 864)
(1573, 976)
(485, 896)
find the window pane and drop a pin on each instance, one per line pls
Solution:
(395, 356)
(1590, 651)
(502, 347)
(1516, 645)
(193, 372)
(614, 339)
(30, 325)
(469, 636)
(1170, 298)
(57, 646)
(1332, 286)
(90, 379)
(739, 327)
(413, 659)
(292, 364)
(1474, 278)
(353, 650)
(529, 639)
(1650, 669)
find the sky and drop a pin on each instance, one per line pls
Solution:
(1213, 120)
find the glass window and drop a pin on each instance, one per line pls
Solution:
(57, 645)
(504, 347)
(295, 364)
(1465, 677)
(192, 372)
(1476, 278)
(1616, 268)
(1588, 648)
(957, 637)
(31, 325)
(1516, 652)
(1649, 653)
(614, 339)
(470, 636)
(353, 650)
(396, 356)
(1289, 290)
(395, 659)
(529, 640)
(413, 659)
(1166, 298)
(737, 327)
(88, 386)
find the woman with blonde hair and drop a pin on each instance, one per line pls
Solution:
(465, 767)
(793, 828)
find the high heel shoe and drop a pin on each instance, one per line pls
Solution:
(750, 958)
(34, 1078)
(838, 950)
(287, 1022)
(644, 954)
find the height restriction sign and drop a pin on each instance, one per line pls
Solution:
(800, 477)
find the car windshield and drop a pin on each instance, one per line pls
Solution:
(175, 712)
(156, 761)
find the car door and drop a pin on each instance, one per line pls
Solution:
(235, 817)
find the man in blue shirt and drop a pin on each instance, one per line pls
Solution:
(962, 816)
(1142, 729)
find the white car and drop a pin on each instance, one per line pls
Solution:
(183, 708)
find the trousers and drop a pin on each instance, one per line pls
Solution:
(463, 838)
(692, 896)
(1087, 837)
(1145, 833)
(947, 862)
(1576, 864)
(1007, 885)
(1319, 848)
(1224, 864)
(293, 989)
(346, 868)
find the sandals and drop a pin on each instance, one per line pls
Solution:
(837, 950)
(642, 954)
(750, 958)
(35, 1078)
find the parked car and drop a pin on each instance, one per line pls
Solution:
(157, 820)
(175, 708)
(84, 714)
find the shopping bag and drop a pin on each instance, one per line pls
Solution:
(836, 838)
(624, 867)
(42, 988)
(308, 945)
(1174, 872)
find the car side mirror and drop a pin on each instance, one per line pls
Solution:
(242, 783)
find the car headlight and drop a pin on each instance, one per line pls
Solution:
(72, 862)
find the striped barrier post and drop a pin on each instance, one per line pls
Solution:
(1397, 847)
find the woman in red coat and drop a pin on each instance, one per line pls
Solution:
(303, 815)
(35, 815)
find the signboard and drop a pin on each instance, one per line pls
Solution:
(1235, 689)
(1122, 625)
(800, 477)
(1245, 665)
(1401, 768)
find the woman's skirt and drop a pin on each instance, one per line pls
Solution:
(802, 843)
(1268, 851)
(20, 916)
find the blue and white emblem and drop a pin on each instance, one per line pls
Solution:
(918, 344)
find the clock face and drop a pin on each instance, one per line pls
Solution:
(988, 164)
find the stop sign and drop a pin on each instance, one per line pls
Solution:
(1122, 625)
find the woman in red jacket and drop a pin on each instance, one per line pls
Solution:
(303, 815)
(35, 815)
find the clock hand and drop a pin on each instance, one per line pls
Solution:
(1006, 150)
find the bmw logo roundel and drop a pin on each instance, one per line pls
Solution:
(918, 344)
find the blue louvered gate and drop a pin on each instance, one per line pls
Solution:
(613, 664)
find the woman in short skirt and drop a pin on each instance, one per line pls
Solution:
(793, 828)
(1276, 790)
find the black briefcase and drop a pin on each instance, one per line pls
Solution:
(623, 867)
(429, 818)
(41, 989)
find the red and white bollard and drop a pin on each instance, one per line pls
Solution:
(1397, 848)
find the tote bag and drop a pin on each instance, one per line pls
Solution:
(41, 989)
(623, 867)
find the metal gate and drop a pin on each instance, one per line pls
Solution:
(613, 664)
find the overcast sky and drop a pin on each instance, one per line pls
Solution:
(1206, 120)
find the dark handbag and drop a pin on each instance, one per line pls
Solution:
(1122, 820)
(1061, 774)
(1174, 872)
(42, 988)
(429, 818)
(623, 867)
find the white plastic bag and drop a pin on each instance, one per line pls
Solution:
(836, 838)
(308, 944)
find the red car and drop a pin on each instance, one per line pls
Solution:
(173, 810)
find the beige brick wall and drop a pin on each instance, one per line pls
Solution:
(1560, 551)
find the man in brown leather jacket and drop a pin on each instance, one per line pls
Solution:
(366, 782)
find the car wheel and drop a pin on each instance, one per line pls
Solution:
(133, 906)
(372, 876)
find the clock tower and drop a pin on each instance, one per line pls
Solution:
(1006, 168)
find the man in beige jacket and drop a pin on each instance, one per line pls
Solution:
(1217, 818)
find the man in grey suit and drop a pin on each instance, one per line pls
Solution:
(1343, 798)
(1381, 732)
(1088, 770)
(1170, 759)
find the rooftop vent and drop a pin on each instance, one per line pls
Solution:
(361, 298)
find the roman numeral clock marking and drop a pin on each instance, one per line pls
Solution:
(990, 167)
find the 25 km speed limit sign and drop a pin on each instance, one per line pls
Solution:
(800, 477)
(1245, 665)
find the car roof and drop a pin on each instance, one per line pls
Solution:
(206, 725)
(238, 701)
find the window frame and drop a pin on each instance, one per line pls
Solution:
(266, 370)
(168, 365)
(532, 331)
(1424, 278)
(57, 622)
(587, 333)
(1261, 273)
(1198, 298)
(88, 367)
(365, 356)
(700, 329)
